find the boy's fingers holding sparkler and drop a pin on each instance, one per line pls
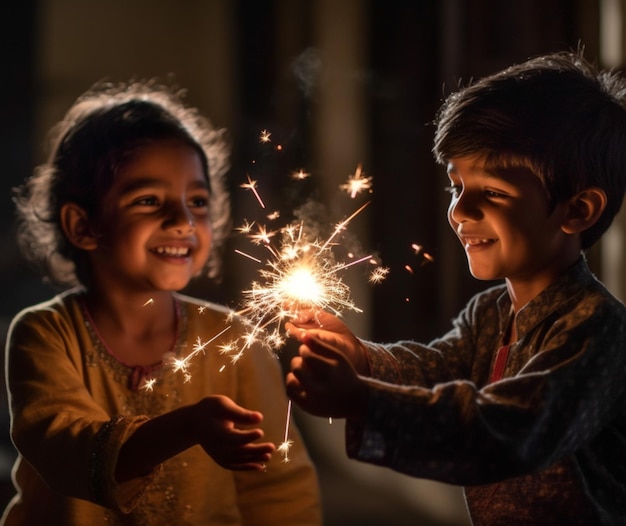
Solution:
(324, 383)
(328, 330)
(320, 319)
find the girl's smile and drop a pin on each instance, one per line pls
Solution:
(154, 230)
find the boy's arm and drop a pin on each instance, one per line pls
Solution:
(460, 433)
(422, 421)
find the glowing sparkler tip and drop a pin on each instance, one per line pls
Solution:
(284, 449)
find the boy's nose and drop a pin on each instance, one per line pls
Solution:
(464, 208)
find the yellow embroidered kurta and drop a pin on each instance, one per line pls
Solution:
(72, 408)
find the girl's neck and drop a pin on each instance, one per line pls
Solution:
(129, 313)
(136, 332)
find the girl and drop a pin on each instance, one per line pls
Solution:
(130, 206)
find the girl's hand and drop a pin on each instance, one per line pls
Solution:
(214, 425)
(329, 329)
(323, 382)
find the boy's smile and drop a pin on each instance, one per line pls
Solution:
(155, 226)
(506, 225)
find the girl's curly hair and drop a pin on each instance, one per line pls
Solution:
(99, 134)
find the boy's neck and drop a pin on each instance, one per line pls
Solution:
(523, 291)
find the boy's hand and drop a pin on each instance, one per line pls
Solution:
(330, 331)
(323, 382)
(214, 421)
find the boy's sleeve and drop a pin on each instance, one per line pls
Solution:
(70, 441)
(458, 432)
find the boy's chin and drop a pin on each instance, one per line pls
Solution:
(484, 274)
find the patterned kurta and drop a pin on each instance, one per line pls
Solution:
(73, 405)
(537, 432)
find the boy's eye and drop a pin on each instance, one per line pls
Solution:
(493, 194)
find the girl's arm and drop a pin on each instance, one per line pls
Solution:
(211, 423)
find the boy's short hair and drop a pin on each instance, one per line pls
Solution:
(556, 115)
(99, 134)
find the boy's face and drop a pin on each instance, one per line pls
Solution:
(154, 230)
(504, 221)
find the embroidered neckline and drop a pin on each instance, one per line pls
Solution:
(136, 373)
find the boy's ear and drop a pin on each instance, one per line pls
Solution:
(75, 224)
(583, 210)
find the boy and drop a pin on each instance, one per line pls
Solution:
(523, 401)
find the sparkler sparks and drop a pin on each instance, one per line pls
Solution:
(300, 175)
(300, 274)
(182, 364)
(251, 185)
(357, 184)
(148, 384)
(378, 274)
(419, 251)
(300, 271)
(265, 136)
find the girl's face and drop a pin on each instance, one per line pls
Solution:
(504, 221)
(154, 231)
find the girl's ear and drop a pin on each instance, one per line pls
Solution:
(583, 210)
(75, 224)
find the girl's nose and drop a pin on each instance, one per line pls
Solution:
(180, 220)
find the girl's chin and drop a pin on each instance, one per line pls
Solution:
(173, 285)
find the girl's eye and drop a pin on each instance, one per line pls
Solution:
(493, 194)
(147, 201)
(200, 202)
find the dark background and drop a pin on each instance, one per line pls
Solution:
(337, 83)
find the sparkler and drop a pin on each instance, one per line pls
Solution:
(284, 448)
(301, 273)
